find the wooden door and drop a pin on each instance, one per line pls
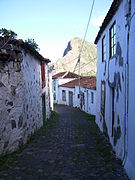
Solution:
(43, 108)
(70, 98)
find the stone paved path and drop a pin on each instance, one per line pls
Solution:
(68, 152)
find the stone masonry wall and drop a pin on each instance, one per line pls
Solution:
(11, 106)
(47, 92)
(20, 101)
(32, 105)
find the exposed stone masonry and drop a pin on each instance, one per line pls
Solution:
(20, 96)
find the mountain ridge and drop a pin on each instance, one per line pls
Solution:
(69, 60)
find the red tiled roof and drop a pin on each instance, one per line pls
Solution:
(109, 16)
(86, 82)
(70, 75)
(65, 75)
(58, 75)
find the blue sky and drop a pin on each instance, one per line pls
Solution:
(52, 23)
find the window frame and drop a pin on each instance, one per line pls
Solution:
(63, 95)
(112, 39)
(92, 97)
(102, 104)
(54, 96)
(104, 48)
(54, 85)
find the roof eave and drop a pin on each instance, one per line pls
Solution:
(115, 5)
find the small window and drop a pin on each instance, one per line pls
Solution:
(54, 85)
(113, 40)
(54, 96)
(92, 97)
(63, 95)
(104, 49)
(78, 96)
(103, 98)
(130, 7)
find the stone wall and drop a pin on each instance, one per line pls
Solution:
(47, 92)
(32, 104)
(11, 106)
(20, 101)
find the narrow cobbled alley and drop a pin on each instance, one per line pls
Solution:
(73, 149)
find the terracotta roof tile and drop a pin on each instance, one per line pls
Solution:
(58, 75)
(86, 82)
(65, 75)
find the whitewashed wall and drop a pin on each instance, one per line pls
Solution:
(88, 106)
(130, 161)
(91, 106)
(113, 72)
(56, 83)
(51, 90)
(67, 95)
(55, 86)
(77, 99)
(32, 103)
(47, 92)
(20, 101)
(65, 80)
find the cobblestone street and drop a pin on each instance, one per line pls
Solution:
(71, 150)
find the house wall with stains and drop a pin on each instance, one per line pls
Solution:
(113, 73)
(84, 101)
(55, 90)
(55, 87)
(130, 148)
(67, 90)
(20, 100)
(47, 92)
(51, 89)
(32, 104)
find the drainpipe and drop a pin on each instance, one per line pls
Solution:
(128, 18)
(126, 104)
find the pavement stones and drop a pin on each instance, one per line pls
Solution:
(67, 152)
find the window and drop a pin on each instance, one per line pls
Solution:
(103, 98)
(54, 96)
(54, 85)
(130, 7)
(63, 95)
(92, 97)
(113, 40)
(104, 49)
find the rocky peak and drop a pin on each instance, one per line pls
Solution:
(70, 57)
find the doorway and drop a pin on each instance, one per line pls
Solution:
(70, 98)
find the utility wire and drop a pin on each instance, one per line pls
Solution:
(79, 56)
(87, 63)
(70, 61)
(78, 61)
(87, 26)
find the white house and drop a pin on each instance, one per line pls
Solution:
(58, 79)
(115, 80)
(87, 98)
(50, 87)
(79, 93)
(24, 100)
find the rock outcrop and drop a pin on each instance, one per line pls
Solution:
(70, 57)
